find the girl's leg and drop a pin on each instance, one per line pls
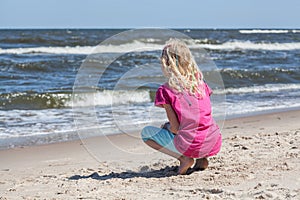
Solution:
(162, 140)
(185, 162)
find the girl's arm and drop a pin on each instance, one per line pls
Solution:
(174, 124)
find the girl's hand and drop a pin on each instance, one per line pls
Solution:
(166, 126)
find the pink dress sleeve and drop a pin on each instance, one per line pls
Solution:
(161, 97)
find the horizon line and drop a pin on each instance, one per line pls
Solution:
(120, 28)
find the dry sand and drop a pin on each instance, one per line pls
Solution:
(259, 160)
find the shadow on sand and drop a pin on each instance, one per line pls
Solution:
(161, 173)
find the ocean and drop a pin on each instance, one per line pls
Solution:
(54, 87)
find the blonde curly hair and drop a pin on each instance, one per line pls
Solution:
(180, 68)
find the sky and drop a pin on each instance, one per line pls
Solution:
(146, 14)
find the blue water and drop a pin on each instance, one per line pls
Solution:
(260, 70)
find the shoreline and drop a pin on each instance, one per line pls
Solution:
(76, 138)
(262, 112)
(259, 159)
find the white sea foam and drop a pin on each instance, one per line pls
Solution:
(109, 97)
(49, 50)
(255, 31)
(85, 50)
(247, 45)
(251, 106)
(138, 46)
(259, 89)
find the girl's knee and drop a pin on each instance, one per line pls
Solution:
(146, 133)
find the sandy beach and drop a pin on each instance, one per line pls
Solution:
(259, 160)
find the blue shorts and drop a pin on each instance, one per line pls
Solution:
(161, 136)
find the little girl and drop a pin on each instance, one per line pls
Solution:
(191, 131)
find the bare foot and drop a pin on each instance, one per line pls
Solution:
(185, 164)
(201, 164)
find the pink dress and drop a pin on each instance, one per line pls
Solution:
(198, 135)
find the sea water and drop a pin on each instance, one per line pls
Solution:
(260, 70)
